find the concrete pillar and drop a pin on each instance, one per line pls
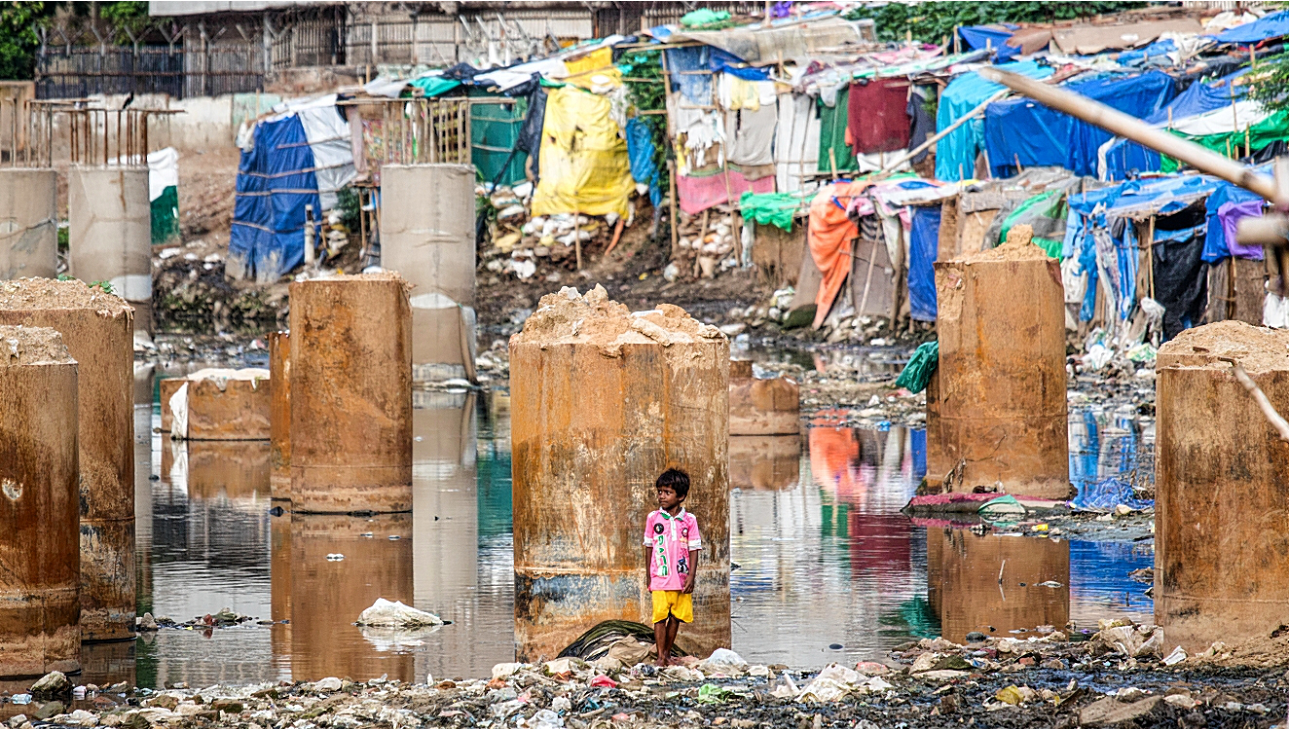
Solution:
(1001, 404)
(603, 401)
(352, 409)
(280, 417)
(428, 231)
(39, 557)
(761, 406)
(1221, 487)
(327, 596)
(110, 233)
(28, 223)
(166, 390)
(224, 404)
(962, 580)
(97, 330)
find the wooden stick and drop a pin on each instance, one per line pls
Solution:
(1112, 120)
(1282, 426)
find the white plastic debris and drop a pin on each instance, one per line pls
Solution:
(1177, 656)
(396, 614)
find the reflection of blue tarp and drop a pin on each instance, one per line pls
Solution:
(955, 153)
(1201, 97)
(1098, 577)
(642, 153)
(1272, 25)
(1103, 496)
(276, 181)
(918, 453)
(921, 261)
(1028, 134)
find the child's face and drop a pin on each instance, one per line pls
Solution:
(667, 498)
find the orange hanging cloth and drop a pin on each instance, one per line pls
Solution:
(831, 240)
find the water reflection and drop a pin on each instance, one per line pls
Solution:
(823, 556)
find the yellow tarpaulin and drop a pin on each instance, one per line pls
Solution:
(599, 59)
(583, 162)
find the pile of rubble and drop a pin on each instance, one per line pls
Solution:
(707, 244)
(521, 245)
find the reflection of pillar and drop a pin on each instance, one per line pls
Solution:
(236, 469)
(96, 327)
(600, 408)
(768, 406)
(964, 587)
(1000, 394)
(1221, 486)
(328, 596)
(281, 586)
(764, 461)
(144, 489)
(109, 234)
(38, 506)
(352, 404)
(444, 500)
(104, 664)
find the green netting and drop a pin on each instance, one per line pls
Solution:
(773, 208)
(165, 212)
(916, 374)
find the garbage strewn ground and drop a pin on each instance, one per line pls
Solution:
(1114, 677)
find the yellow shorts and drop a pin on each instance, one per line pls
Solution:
(667, 602)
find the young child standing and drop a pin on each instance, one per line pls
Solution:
(672, 544)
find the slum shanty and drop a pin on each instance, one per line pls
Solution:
(668, 364)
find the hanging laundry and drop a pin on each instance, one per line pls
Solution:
(739, 93)
(923, 123)
(750, 135)
(878, 115)
(833, 128)
(831, 240)
(795, 143)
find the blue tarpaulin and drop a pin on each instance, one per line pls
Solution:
(1215, 242)
(1024, 133)
(683, 64)
(921, 261)
(1272, 25)
(1105, 495)
(1201, 97)
(276, 180)
(955, 153)
(642, 158)
(977, 37)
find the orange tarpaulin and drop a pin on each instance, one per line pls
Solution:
(831, 240)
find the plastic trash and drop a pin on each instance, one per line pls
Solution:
(712, 694)
(1177, 656)
(602, 682)
(1002, 506)
(396, 614)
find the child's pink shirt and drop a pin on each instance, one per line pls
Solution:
(670, 539)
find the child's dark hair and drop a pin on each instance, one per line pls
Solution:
(676, 480)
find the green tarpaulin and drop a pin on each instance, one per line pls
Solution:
(916, 374)
(1275, 128)
(772, 208)
(1046, 212)
(494, 132)
(835, 119)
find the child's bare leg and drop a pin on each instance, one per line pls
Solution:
(663, 642)
(671, 632)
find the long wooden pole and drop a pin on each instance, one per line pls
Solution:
(1140, 132)
(895, 164)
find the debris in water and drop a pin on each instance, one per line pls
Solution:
(385, 613)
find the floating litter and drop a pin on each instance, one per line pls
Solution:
(333, 557)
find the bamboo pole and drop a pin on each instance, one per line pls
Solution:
(1117, 122)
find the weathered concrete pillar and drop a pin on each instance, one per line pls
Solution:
(28, 223)
(96, 327)
(603, 401)
(280, 417)
(769, 406)
(352, 404)
(1001, 404)
(222, 404)
(109, 233)
(1221, 487)
(327, 596)
(964, 589)
(429, 237)
(764, 462)
(166, 390)
(39, 556)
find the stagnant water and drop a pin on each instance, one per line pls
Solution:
(825, 567)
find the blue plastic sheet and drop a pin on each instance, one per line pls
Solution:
(1103, 496)
(721, 60)
(921, 262)
(1024, 133)
(1215, 242)
(1203, 96)
(642, 162)
(695, 88)
(977, 37)
(1145, 53)
(955, 154)
(276, 181)
(1272, 25)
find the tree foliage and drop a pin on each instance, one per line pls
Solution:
(933, 22)
(1269, 82)
(18, 39)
